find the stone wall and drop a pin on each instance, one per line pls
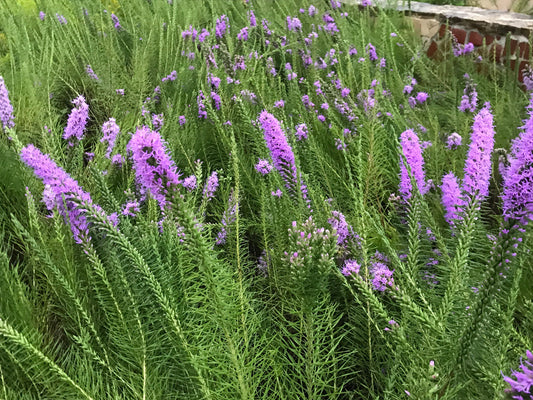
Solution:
(501, 36)
(520, 6)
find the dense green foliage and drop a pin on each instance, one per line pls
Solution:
(156, 309)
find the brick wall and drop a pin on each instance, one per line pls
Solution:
(511, 50)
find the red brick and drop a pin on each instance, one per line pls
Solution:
(524, 50)
(489, 39)
(475, 38)
(514, 42)
(460, 35)
(433, 47)
(512, 64)
(442, 30)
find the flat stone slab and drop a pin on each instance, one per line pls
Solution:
(495, 21)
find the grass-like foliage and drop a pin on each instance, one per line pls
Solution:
(258, 200)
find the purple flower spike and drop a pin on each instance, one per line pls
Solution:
(280, 150)
(421, 97)
(381, 276)
(301, 132)
(279, 104)
(451, 198)
(131, 208)
(478, 163)
(413, 154)
(62, 20)
(77, 119)
(116, 22)
(344, 231)
(213, 80)
(252, 19)
(202, 113)
(216, 99)
(243, 34)
(351, 267)
(454, 141)
(189, 183)
(154, 169)
(263, 167)
(222, 25)
(211, 186)
(90, 73)
(371, 50)
(518, 179)
(264, 24)
(158, 121)
(278, 193)
(202, 36)
(522, 387)
(6, 109)
(170, 77)
(117, 160)
(190, 33)
(110, 129)
(61, 191)
(294, 24)
(469, 99)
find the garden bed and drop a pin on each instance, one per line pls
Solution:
(260, 199)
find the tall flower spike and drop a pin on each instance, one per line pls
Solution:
(60, 191)
(77, 119)
(280, 150)
(110, 129)
(222, 25)
(478, 163)
(116, 22)
(6, 109)
(338, 222)
(211, 186)
(413, 155)
(252, 19)
(469, 99)
(154, 169)
(451, 198)
(518, 178)
(294, 24)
